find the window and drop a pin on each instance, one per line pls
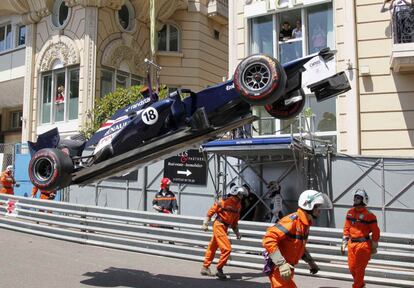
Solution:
(296, 32)
(59, 95)
(21, 36)
(60, 13)
(168, 38)
(262, 35)
(114, 79)
(290, 35)
(126, 16)
(5, 37)
(320, 27)
(16, 119)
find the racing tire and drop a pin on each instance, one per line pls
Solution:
(282, 111)
(50, 169)
(260, 80)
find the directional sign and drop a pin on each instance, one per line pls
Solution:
(188, 167)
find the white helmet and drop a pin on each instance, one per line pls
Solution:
(309, 198)
(9, 168)
(361, 192)
(236, 190)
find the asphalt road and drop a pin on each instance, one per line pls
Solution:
(39, 262)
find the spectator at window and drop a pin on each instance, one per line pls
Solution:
(297, 31)
(328, 122)
(60, 94)
(285, 32)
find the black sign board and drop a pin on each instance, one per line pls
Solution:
(188, 167)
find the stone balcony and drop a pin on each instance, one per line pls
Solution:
(218, 10)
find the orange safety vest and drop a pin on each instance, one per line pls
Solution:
(227, 210)
(7, 181)
(359, 223)
(289, 236)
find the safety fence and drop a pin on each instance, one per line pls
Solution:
(7, 155)
(147, 232)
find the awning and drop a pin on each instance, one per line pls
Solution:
(274, 148)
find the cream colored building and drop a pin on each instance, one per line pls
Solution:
(73, 51)
(377, 116)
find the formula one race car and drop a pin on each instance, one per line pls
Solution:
(151, 129)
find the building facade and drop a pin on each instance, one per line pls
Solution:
(58, 57)
(374, 47)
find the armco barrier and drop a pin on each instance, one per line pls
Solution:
(141, 232)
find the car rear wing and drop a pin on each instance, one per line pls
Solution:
(330, 87)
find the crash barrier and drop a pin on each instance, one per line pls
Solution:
(147, 232)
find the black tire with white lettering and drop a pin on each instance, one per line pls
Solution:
(50, 169)
(282, 111)
(260, 79)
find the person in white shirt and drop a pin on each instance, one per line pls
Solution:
(297, 31)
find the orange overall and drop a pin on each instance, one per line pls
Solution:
(289, 236)
(46, 195)
(7, 181)
(359, 224)
(228, 214)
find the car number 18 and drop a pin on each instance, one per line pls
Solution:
(150, 116)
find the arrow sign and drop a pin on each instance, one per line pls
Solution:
(187, 167)
(186, 173)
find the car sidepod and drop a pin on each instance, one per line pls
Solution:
(145, 125)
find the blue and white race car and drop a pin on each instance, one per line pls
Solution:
(151, 129)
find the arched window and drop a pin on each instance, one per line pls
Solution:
(60, 13)
(168, 38)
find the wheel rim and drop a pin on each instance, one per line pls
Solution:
(256, 76)
(43, 169)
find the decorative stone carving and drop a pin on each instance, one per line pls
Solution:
(30, 11)
(113, 4)
(117, 52)
(60, 48)
(163, 9)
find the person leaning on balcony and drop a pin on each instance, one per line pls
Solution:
(285, 242)
(7, 180)
(297, 31)
(285, 32)
(359, 224)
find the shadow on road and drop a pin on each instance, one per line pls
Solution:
(121, 277)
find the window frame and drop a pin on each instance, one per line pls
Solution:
(53, 86)
(56, 13)
(277, 125)
(18, 33)
(130, 77)
(6, 43)
(131, 20)
(168, 40)
(19, 115)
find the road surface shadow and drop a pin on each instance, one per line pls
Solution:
(131, 278)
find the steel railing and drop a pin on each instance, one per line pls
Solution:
(142, 231)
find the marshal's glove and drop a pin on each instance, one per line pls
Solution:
(344, 245)
(237, 233)
(204, 227)
(374, 246)
(313, 267)
(285, 269)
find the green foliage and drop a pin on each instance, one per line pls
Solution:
(106, 106)
(307, 112)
